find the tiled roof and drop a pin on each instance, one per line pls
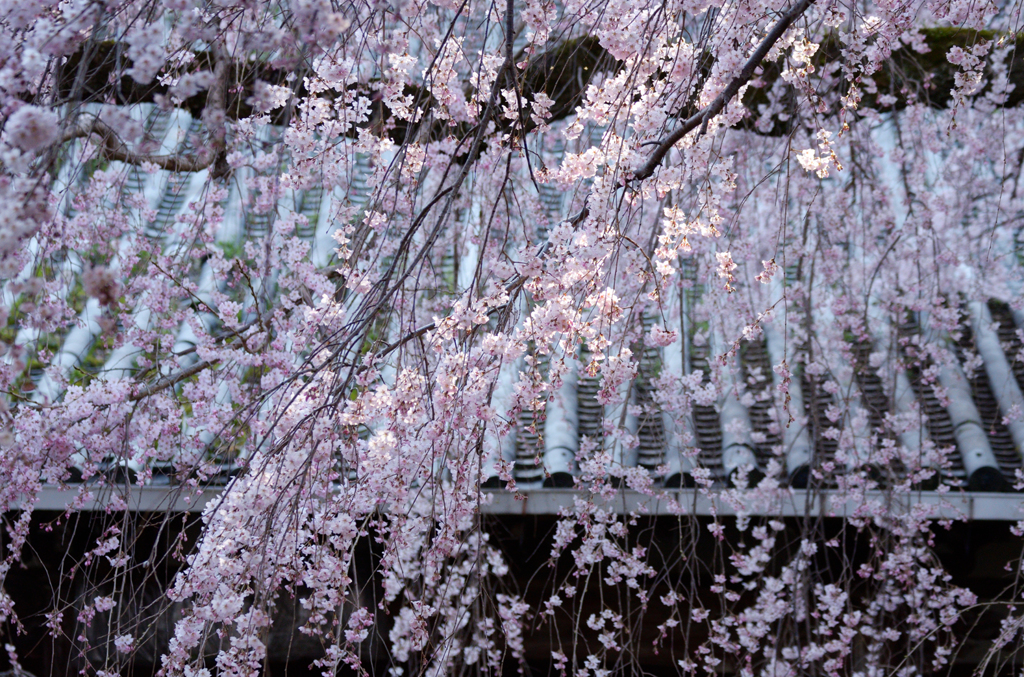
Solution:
(976, 422)
(744, 428)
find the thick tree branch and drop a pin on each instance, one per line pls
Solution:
(116, 150)
(702, 117)
(171, 380)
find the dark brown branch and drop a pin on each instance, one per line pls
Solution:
(114, 149)
(179, 376)
(702, 117)
(173, 379)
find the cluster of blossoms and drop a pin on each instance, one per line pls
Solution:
(343, 253)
